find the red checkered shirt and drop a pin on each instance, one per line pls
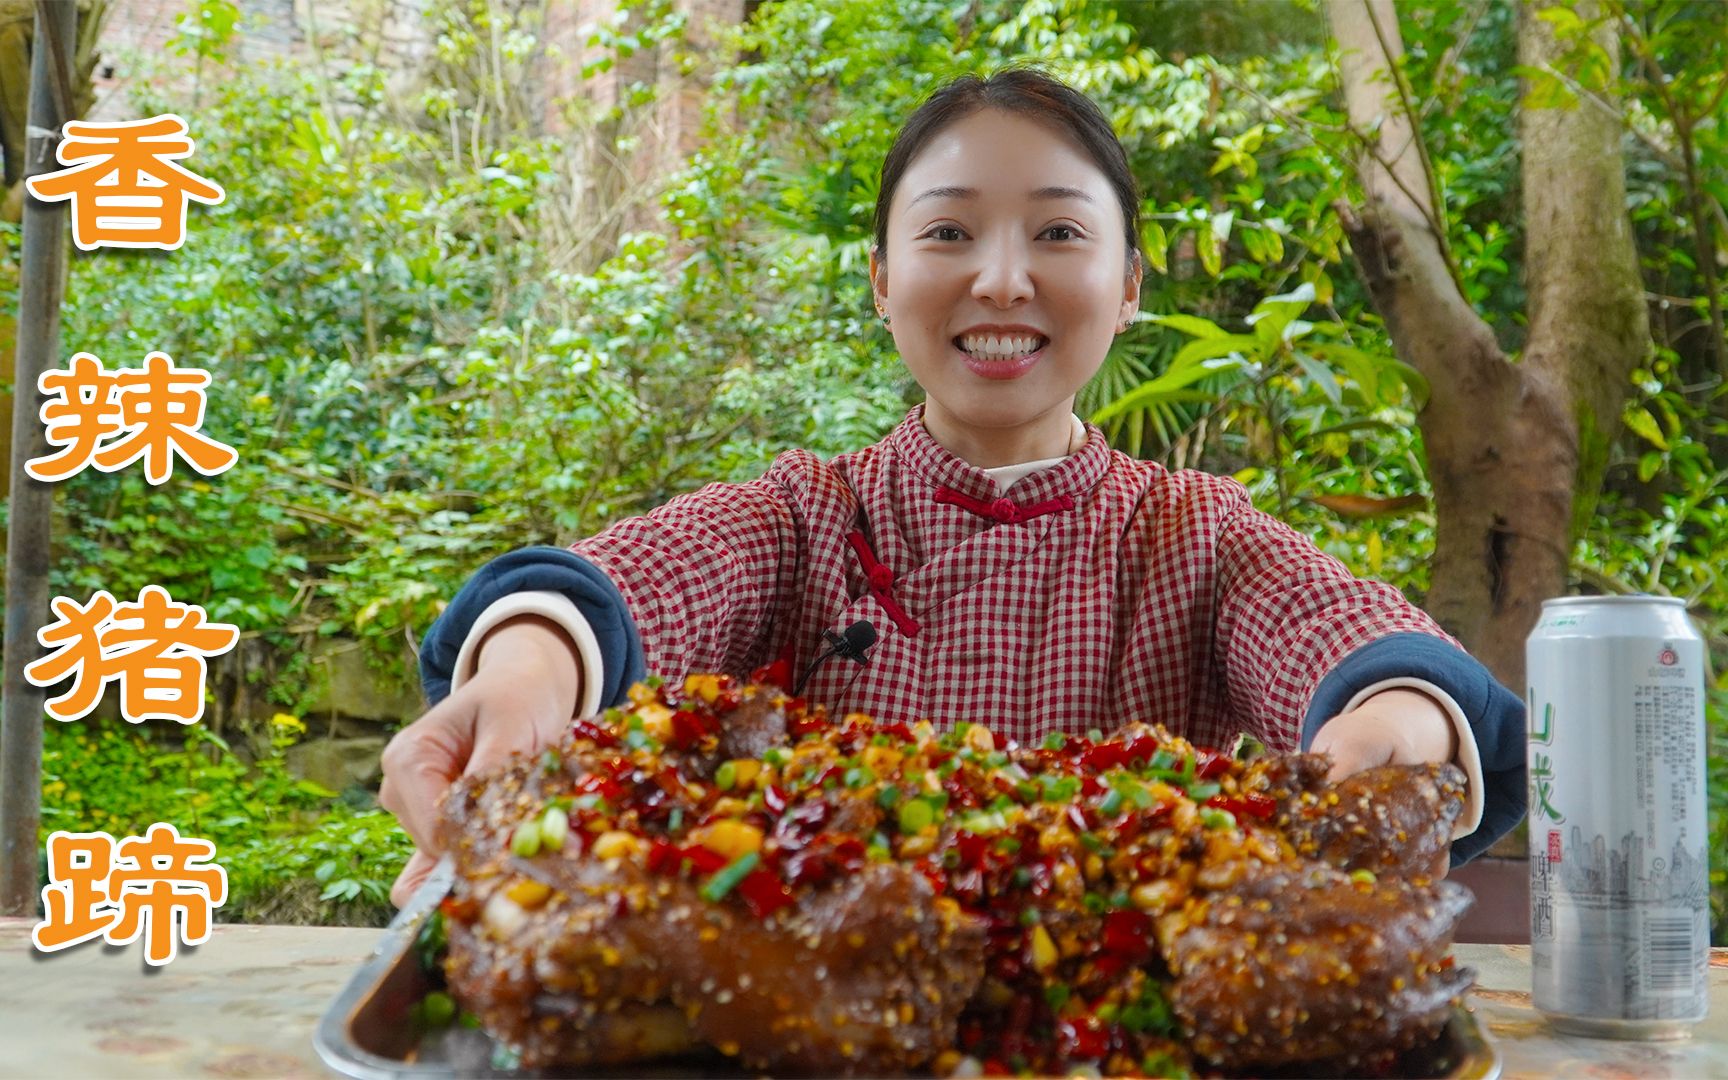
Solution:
(1095, 592)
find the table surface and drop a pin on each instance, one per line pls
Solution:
(244, 1004)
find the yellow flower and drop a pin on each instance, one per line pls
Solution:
(286, 722)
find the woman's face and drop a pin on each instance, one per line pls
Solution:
(1005, 279)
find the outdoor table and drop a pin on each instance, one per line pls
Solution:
(244, 1004)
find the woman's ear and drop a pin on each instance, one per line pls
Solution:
(878, 281)
(1130, 292)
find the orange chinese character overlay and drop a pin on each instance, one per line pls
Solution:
(111, 419)
(130, 193)
(154, 648)
(158, 886)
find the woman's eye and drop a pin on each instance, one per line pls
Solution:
(939, 231)
(1069, 229)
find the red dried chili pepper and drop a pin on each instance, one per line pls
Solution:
(1128, 934)
(778, 673)
(687, 729)
(702, 859)
(1210, 764)
(764, 893)
(1084, 1039)
(594, 733)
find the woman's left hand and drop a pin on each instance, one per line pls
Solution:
(1394, 727)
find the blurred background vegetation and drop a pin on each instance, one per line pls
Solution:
(434, 339)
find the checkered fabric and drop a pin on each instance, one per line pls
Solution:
(1158, 596)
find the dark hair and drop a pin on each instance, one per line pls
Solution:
(1024, 91)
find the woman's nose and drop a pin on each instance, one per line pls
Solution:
(1003, 275)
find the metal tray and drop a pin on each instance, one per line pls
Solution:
(368, 1031)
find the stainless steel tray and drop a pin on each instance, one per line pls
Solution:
(368, 1031)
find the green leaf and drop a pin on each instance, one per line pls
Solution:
(1645, 426)
(1211, 253)
(1157, 245)
(1192, 325)
(1190, 366)
(1322, 376)
(1648, 466)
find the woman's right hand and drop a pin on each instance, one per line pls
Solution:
(521, 699)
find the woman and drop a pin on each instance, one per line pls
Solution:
(1014, 569)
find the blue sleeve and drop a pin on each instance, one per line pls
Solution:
(1496, 717)
(545, 569)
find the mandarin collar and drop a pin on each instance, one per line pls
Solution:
(936, 466)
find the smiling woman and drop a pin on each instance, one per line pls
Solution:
(992, 559)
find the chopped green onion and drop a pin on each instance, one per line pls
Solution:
(1090, 841)
(1029, 916)
(437, 1009)
(1056, 996)
(888, 796)
(877, 853)
(1365, 877)
(1027, 790)
(1213, 818)
(1160, 1063)
(725, 776)
(675, 820)
(727, 877)
(554, 829)
(549, 761)
(1163, 759)
(1055, 741)
(525, 841)
(1022, 877)
(916, 815)
(1112, 802)
(1202, 792)
(858, 776)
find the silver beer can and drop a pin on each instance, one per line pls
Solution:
(1619, 878)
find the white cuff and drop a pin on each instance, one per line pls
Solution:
(554, 606)
(1469, 758)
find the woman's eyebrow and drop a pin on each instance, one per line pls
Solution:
(1043, 194)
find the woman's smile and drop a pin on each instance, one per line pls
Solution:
(992, 352)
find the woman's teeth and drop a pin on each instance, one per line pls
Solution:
(993, 347)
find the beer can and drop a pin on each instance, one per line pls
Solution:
(1619, 879)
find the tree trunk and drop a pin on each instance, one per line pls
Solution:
(1508, 444)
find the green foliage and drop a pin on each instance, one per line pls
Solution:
(275, 834)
